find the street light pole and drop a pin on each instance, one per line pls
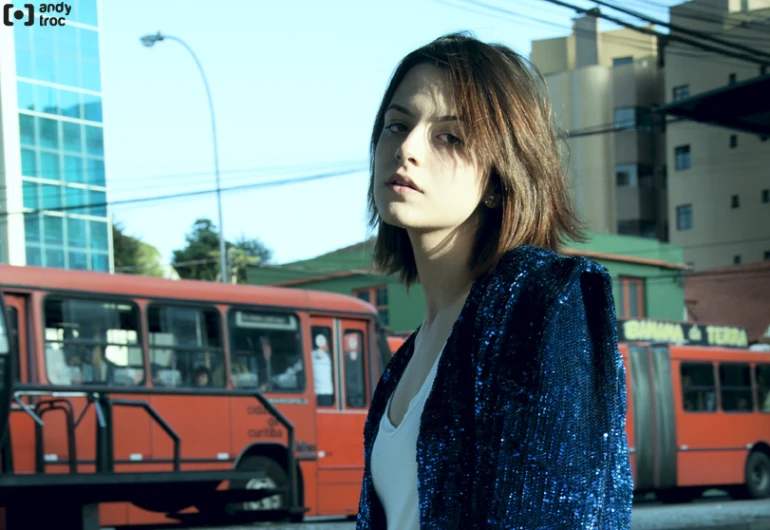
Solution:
(149, 40)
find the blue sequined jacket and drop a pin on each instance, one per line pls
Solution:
(524, 427)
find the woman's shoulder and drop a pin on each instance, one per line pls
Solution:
(530, 270)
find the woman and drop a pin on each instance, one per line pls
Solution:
(506, 407)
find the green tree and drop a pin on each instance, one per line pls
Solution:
(199, 259)
(134, 256)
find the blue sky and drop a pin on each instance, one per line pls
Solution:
(295, 86)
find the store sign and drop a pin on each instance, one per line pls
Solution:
(682, 333)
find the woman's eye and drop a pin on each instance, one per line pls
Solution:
(395, 127)
(451, 139)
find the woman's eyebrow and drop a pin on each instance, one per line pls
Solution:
(404, 110)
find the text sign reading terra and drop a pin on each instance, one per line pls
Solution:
(682, 333)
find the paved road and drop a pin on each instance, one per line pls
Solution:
(716, 513)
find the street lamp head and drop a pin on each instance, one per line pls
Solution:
(149, 40)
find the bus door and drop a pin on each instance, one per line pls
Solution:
(22, 432)
(6, 373)
(341, 359)
(654, 417)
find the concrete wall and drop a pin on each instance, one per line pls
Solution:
(717, 172)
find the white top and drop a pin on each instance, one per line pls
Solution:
(322, 372)
(394, 460)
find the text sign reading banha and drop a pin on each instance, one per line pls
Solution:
(682, 333)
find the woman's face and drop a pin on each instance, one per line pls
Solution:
(424, 178)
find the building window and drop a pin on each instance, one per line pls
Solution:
(620, 61)
(732, 79)
(684, 217)
(378, 297)
(737, 259)
(733, 141)
(735, 202)
(765, 195)
(681, 92)
(625, 118)
(767, 254)
(634, 118)
(633, 175)
(626, 176)
(682, 157)
(630, 297)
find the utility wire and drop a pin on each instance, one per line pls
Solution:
(686, 31)
(676, 38)
(711, 14)
(256, 185)
(636, 44)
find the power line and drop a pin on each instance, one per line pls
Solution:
(691, 12)
(187, 176)
(684, 30)
(629, 42)
(711, 14)
(676, 38)
(242, 187)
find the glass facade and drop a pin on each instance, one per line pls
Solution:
(62, 142)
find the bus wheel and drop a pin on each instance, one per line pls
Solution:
(758, 475)
(274, 478)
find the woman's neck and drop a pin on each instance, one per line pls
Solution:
(443, 265)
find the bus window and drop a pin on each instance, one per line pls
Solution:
(735, 387)
(266, 351)
(762, 377)
(323, 365)
(698, 389)
(185, 347)
(355, 374)
(88, 341)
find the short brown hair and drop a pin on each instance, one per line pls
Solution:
(506, 119)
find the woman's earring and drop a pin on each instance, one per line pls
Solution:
(490, 201)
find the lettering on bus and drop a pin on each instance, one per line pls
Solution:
(273, 430)
(682, 333)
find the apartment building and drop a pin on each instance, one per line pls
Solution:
(718, 178)
(603, 87)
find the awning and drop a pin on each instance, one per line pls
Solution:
(744, 106)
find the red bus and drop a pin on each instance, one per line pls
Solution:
(155, 401)
(698, 418)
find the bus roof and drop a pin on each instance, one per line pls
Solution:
(39, 278)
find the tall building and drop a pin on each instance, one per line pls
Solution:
(53, 189)
(718, 179)
(603, 87)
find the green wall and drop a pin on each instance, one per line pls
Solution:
(664, 288)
